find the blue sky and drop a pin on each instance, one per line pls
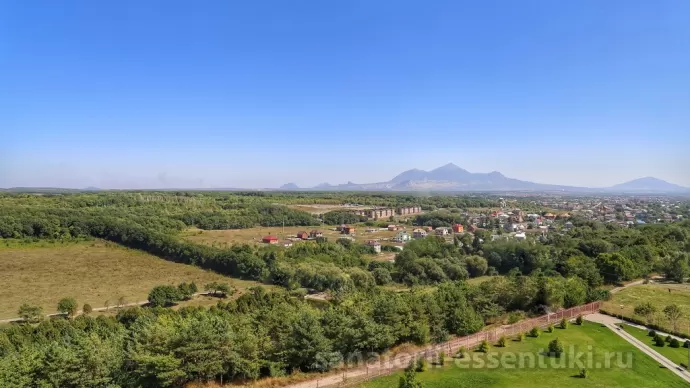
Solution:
(136, 94)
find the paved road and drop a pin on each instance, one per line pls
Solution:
(612, 323)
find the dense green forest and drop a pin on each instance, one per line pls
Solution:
(258, 334)
(270, 334)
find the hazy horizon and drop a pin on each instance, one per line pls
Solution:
(130, 95)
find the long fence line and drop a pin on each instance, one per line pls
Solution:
(386, 367)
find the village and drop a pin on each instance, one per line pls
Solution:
(504, 224)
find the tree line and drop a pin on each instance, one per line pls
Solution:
(259, 334)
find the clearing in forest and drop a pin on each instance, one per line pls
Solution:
(92, 272)
(659, 295)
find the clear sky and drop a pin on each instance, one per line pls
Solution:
(144, 94)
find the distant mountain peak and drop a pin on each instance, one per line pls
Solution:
(649, 183)
(289, 186)
(448, 167)
(451, 177)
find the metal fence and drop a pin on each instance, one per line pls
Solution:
(385, 367)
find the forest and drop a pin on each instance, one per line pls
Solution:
(275, 333)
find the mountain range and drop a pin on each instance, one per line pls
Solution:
(450, 177)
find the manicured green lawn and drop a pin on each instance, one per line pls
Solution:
(676, 355)
(640, 371)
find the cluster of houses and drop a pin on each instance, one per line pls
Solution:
(621, 210)
(402, 236)
(378, 213)
(273, 240)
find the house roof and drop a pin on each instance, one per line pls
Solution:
(270, 238)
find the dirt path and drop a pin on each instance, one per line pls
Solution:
(612, 323)
(81, 312)
(141, 303)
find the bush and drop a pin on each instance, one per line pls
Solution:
(686, 344)
(674, 343)
(652, 333)
(520, 337)
(668, 339)
(31, 314)
(535, 332)
(502, 342)
(187, 290)
(555, 348)
(87, 309)
(658, 341)
(564, 323)
(550, 329)
(441, 359)
(515, 316)
(162, 296)
(409, 379)
(579, 320)
(420, 365)
(484, 347)
(461, 352)
(584, 373)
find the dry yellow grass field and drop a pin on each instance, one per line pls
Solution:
(91, 272)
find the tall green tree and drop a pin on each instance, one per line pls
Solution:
(68, 306)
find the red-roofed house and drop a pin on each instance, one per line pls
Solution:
(458, 228)
(270, 240)
(303, 235)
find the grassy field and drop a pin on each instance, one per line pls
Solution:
(677, 355)
(643, 371)
(254, 235)
(658, 295)
(92, 272)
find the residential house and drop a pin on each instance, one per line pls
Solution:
(286, 243)
(392, 228)
(458, 228)
(442, 231)
(302, 235)
(348, 230)
(375, 244)
(270, 240)
(402, 236)
(418, 233)
(315, 233)
(520, 236)
(569, 225)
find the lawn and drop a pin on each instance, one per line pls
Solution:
(658, 295)
(643, 371)
(92, 272)
(677, 355)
